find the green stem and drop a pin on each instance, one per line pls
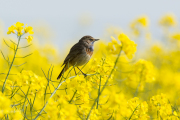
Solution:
(104, 84)
(133, 112)
(60, 83)
(3, 88)
(99, 92)
(49, 98)
(26, 96)
(73, 96)
(137, 89)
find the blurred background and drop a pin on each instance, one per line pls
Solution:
(63, 23)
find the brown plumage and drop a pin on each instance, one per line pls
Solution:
(79, 54)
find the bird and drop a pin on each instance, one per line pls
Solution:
(79, 54)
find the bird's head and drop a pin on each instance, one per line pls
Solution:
(88, 40)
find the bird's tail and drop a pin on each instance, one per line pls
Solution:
(63, 70)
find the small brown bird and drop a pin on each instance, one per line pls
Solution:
(79, 54)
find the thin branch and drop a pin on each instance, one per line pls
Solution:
(14, 93)
(13, 42)
(73, 96)
(8, 61)
(16, 104)
(4, 57)
(20, 64)
(25, 46)
(49, 71)
(47, 83)
(137, 89)
(99, 92)
(15, 51)
(52, 94)
(47, 78)
(6, 74)
(25, 56)
(21, 70)
(105, 84)
(49, 98)
(8, 45)
(25, 98)
(133, 112)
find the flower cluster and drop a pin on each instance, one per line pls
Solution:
(145, 70)
(142, 72)
(113, 47)
(137, 24)
(35, 84)
(19, 28)
(168, 20)
(175, 36)
(161, 108)
(5, 109)
(128, 46)
(140, 109)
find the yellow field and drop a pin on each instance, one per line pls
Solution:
(119, 85)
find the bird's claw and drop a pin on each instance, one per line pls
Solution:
(85, 75)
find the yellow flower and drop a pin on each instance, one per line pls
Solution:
(145, 69)
(175, 36)
(11, 29)
(19, 28)
(28, 29)
(140, 109)
(137, 24)
(168, 20)
(143, 21)
(128, 46)
(5, 105)
(18, 24)
(17, 115)
(113, 46)
(52, 106)
(160, 104)
(29, 39)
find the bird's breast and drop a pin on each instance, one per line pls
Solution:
(89, 51)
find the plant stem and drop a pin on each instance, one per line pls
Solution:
(104, 84)
(73, 96)
(133, 112)
(49, 98)
(137, 89)
(99, 92)
(3, 88)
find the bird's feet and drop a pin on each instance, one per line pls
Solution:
(85, 75)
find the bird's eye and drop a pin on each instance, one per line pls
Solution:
(91, 39)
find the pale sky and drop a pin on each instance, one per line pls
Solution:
(63, 16)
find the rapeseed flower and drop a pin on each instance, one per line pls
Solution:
(5, 105)
(168, 20)
(128, 46)
(137, 24)
(160, 104)
(28, 29)
(29, 39)
(19, 28)
(175, 36)
(11, 29)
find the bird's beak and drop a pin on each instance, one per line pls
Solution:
(96, 39)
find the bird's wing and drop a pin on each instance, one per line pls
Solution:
(75, 50)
